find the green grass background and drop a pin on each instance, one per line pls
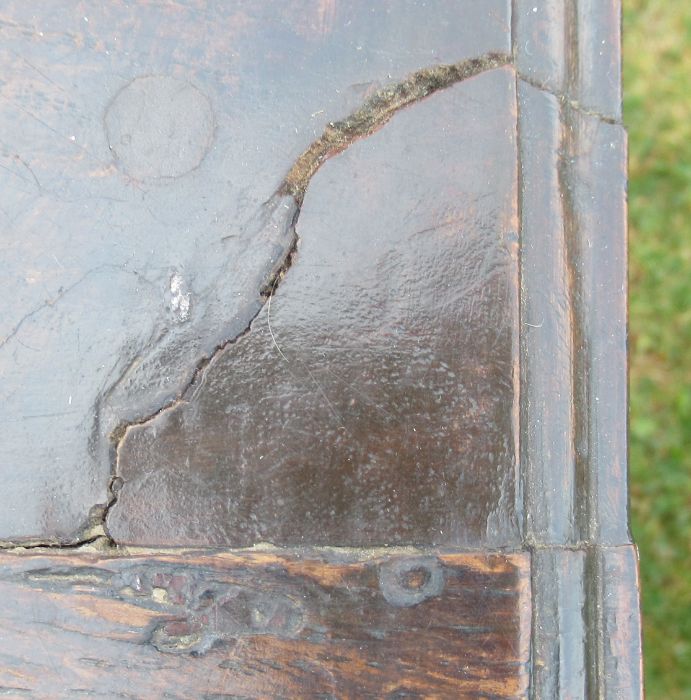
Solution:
(657, 112)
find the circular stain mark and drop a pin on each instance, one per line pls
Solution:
(406, 582)
(159, 127)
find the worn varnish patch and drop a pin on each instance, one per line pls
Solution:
(373, 399)
(266, 624)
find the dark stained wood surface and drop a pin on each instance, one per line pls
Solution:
(373, 401)
(560, 646)
(265, 624)
(323, 275)
(616, 654)
(586, 626)
(548, 452)
(141, 143)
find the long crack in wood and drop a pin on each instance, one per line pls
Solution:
(374, 113)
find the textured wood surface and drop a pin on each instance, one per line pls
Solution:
(265, 625)
(372, 402)
(320, 274)
(586, 626)
(146, 216)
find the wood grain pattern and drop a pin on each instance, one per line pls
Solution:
(615, 652)
(560, 642)
(373, 401)
(265, 625)
(548, 453)
(141, 142)
(214, 340)
(586, 639)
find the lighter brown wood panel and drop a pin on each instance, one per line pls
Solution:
(265, 624)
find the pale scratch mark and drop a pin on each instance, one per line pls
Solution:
(30, 31)
(306, 368)
(50, 303)
(30, 169)
(359, 392)
(16, 174)
(6, 214)
(55, 131)
(39, 71)
(46, 304)
(32, 416)
(268, 322)
(28, 347)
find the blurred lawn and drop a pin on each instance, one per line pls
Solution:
(657, 112)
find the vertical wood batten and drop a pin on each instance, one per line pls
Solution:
(619, 662)
(595, 168)
(559, 669)
(597, 87)
(586, 638)
(546, 321)
(594, 183)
